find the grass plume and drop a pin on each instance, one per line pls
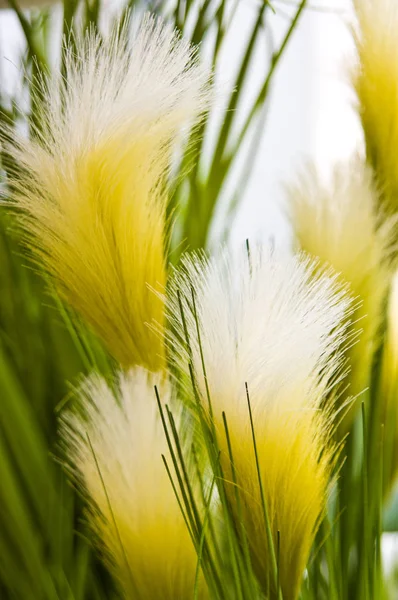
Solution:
(375, 79)
(115, 447)
(341, 225)
(90, 184)
(264, 320)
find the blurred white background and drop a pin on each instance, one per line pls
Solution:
(312, 115)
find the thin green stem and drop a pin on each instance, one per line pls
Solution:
(202, 540)
(108, 501)
(34, 50)
(364, 548)
(270, 540)
(276, 57)
(202, 359)
(175, 463)
(241, 527)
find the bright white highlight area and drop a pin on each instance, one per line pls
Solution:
(389, 549)
(311, 117)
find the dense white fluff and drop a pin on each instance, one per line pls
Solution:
(114, 84)
(263, 318)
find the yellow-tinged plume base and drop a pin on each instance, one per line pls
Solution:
(114, 447)
(266, 321)
(91, 182)
(388, 392)
(340, 224)
(375, 78)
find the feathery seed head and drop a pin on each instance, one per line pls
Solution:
(267, 321)
(114, 446)
(375, 78)
(91, 186)
(341, 225)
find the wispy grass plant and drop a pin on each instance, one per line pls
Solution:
(178, 423)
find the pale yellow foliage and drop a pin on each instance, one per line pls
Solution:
(391, 344)
(339, 223)
(266, 321)
(375, 79)
(91, 182)
(115, 444)
(389, 390)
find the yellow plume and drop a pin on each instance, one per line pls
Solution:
(115, 447)
(264, 320)
(91, 181)
(340, 224)
(389, 390)
(375, 79)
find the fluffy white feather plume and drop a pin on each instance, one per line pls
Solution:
(115, 445)
(91, 183)
(341, 224)
(266, 320)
